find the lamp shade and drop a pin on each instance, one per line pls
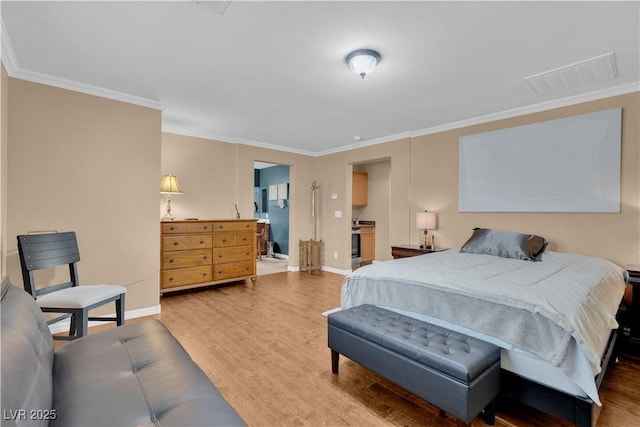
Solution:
(426, 220)
(169, 185)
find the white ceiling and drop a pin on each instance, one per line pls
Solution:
(274, 74)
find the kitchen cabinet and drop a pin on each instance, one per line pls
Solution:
(367, 245)
(360, 188)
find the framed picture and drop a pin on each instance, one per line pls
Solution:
(283, 191)
(273, 192)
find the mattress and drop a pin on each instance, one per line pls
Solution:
(557, 312)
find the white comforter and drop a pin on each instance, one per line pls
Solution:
(558, 309)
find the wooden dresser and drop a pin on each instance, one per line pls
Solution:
(197, 253)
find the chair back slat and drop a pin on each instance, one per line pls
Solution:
(40, 251)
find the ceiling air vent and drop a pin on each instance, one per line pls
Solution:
(584, 73)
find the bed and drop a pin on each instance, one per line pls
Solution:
(553, 317)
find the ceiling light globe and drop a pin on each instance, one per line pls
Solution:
(363, 61)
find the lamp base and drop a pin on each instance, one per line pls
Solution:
(427, 242)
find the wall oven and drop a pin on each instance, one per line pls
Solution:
(355, 248)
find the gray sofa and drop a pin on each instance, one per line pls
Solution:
(133, 375)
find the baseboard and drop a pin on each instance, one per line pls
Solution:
(294, 269)
(63, 325)
(335, 270)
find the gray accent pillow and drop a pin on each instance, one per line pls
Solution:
(505, 244)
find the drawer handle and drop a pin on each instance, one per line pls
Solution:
(204, 274)
(224, 240)
(221, 227)
(220, 256)
(205, 257)
(244, 238)
(172, 228)
(171, 260)
(201, 241)
(220, 271)
(175, 243)
(248, 225)
(205, 227)
(247, 253)
(171, 279)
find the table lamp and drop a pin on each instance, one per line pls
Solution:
(426, 221)
(169, 186)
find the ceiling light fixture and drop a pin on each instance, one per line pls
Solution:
(363, 61)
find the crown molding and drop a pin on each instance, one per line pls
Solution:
(207, 135)
(535, 108)
(375, 141)
(6, 50)
(88, 89)
(501, 115)
(7, 56)
(14, 71)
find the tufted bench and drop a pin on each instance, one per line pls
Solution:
(456, 373)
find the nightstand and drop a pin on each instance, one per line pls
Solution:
(631, 326)
(405, 251)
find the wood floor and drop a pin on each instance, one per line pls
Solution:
(264, 345)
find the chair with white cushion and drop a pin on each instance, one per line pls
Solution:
(48, 250)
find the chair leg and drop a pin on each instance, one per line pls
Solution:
(83, 325)
(120, 310)
(72, 325)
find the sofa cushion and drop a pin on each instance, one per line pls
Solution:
(26, 368)
(137, 374)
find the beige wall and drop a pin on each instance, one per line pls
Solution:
(4, 99)
(615, 236)
(92, 165)
(208, 175)
(429, 180)
(216, 175)
(334, 174)
(63, 144)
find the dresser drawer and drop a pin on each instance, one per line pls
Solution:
(186, 227)
(186, 276)
(181, 243)
(204, 241)
(234, 269)
(240, 253)
(245, 238)
(175, 243)
(235, 226)
(181, 259)
(224, 240)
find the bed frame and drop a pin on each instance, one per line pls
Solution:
(581, 411)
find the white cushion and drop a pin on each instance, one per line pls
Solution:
(79, 296)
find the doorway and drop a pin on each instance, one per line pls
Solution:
(271, 208)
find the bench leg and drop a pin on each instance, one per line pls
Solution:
(490, 413)
(335, 357)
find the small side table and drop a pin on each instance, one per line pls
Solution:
(632, 327)
(405, 251)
